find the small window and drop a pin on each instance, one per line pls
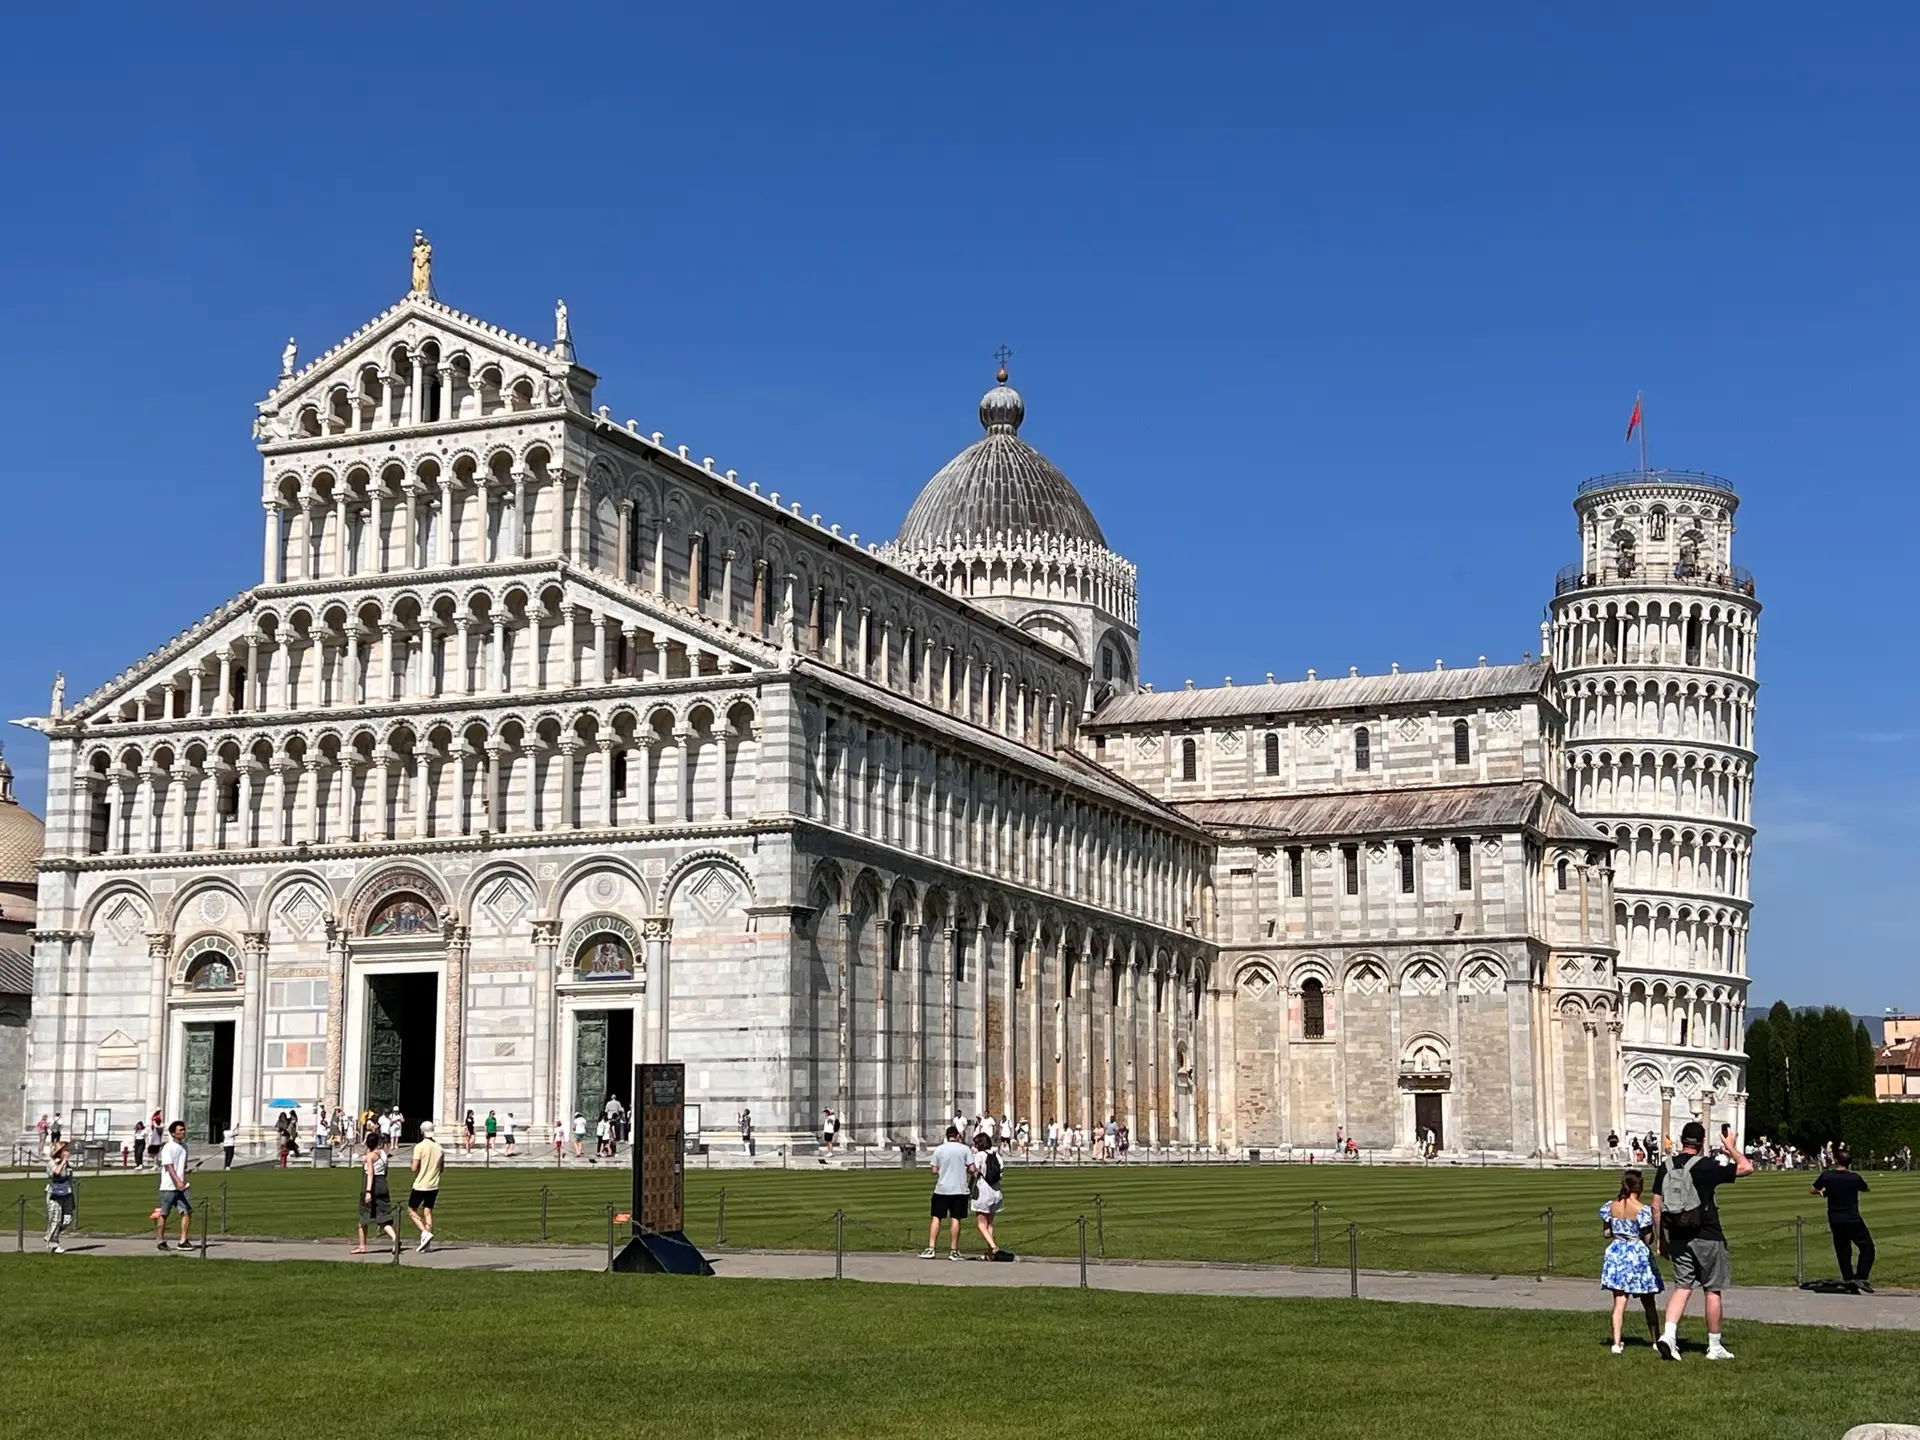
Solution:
(1406, 867)
(1019, 963)
(1106, 663)
(1100, 747)
(1189, 760)
(1462, 743)
(1350, 858)
(1560, 875)
(1463, 863)
(896, 942)
(229, 799)
(1273, 754)
(1313, 1011)
(1362, 749)
(1296, 873)
(620, 774)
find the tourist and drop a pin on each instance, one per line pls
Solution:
(493, 1128)
(319, 1128)
(746, 1131)
(602, 1137)
(376, 1205)
(60, 1207)
(40, 1127)
(1112, 1137)
(1686, 1209)
(1843, 1189)
(428, 1157)
(506, 1133)
(173, 1185)
(987, 1197)
(579, 1133)
(228, 1140)
(53, 1131)
(469, 1128)
(952, 1186)
(139, 1141)
(829, 1127)
(1126, 1141)
(1627, 1268)
(559, 1140)
(281, 1138)
(616, 1113)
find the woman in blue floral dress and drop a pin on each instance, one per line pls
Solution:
(1627, 1268)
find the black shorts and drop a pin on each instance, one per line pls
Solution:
(422, 1199)
(949, 1207)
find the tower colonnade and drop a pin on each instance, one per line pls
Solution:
(1653, 637)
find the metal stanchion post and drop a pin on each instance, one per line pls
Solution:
(223, 1207)
(1316, 1232)
(609, 1239)
(203, 1237)
(720, 1230)
(1083, 1252)
(20, 1236)
(1100, 1224)
(1799, 1250)
(543, 1214)
(1353, 1260)
(839, 1243)
(1549, 1239)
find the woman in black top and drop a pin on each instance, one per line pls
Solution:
(1843, 1190)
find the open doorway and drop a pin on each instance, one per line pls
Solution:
(1427, 1120)
(209, 1082)
(403, 1015)
(602, 1061)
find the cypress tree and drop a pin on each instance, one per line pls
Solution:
(1761, 1118)
(1862, 1059)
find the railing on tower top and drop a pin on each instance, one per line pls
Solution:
(1574, 577)
(1656, 477)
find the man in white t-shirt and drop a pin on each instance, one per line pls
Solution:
(952, 1185)
(173, 1185)
(507, 1132)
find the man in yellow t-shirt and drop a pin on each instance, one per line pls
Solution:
(427, 1160)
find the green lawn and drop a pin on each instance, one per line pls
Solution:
(110, 1348)
(1482, 1221)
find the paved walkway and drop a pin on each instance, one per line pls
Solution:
(1890, 1311)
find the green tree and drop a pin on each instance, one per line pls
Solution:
(1783, 1038)
(1863, 1055)
(1762, 1119)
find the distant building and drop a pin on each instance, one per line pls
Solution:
(1896, 1063)
(21, 838)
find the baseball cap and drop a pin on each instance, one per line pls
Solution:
(1693, 1133)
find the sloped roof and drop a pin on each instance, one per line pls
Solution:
(1526, 804)
(1348, 692)
(16, 969)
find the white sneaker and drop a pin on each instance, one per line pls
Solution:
(426, 1239)
(1667, 1349)
(953, 1254)
(1719, 1352)
(927, 1254)
(1617, 1348)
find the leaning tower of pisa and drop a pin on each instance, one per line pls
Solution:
(1653, 640)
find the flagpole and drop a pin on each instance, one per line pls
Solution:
(1640, 406)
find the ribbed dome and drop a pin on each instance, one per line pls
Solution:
(999, 485)
(22, 836)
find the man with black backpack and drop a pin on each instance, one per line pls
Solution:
(1687, 1214)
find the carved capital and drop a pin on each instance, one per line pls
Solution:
(159, 945)
(254, 943)
(546, 932)
(657, 927)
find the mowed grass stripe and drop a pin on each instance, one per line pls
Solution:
(1469, 1219)
(106, 1347)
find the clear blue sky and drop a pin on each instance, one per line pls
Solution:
(1326, 314)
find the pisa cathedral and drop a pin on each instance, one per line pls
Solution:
(544, 747)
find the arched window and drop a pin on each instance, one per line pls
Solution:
(1189, 760)
(1462, 743)
(1560, 875)
(1273, 754)
(1362, 749)
(896, 941)
(403, 915)
(1313, 1011)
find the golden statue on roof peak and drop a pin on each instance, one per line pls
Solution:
(422, 264)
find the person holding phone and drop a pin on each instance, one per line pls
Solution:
(1686, 1213)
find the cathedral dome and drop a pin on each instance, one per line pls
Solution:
(999, 485)
(22, 836)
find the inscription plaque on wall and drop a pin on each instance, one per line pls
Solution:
(659, 1151)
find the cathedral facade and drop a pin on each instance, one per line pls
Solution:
(544, 747)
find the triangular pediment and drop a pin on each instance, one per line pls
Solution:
(414, 326)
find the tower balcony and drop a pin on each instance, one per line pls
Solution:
(1613, 576)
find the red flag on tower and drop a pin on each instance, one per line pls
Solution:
(1633, 420)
